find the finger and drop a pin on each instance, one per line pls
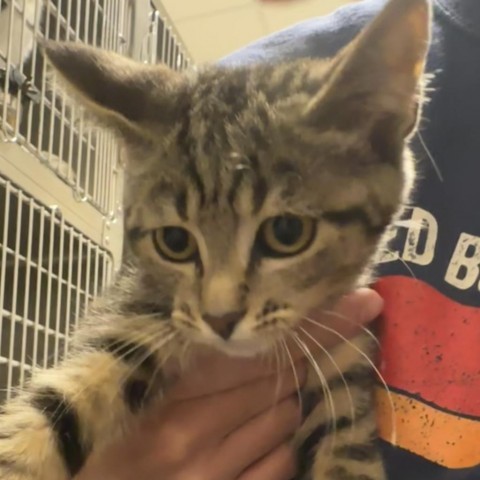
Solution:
(279, 465)
(189, 425)
(215, 372)
(345, 320)
(257, 438)
(359, 307)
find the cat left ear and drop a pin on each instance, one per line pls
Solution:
(120, 92)
(375, 83)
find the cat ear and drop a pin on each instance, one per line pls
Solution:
(375, 83)
(121, 93)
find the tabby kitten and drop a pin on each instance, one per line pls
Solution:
(252, 195)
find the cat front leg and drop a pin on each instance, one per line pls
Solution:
(48, 431)
(338, 439)
(344, 449)
(352, 456)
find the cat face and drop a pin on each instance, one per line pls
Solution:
(254, 216)
(255, 193)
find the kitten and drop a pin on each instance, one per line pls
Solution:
(252, 195)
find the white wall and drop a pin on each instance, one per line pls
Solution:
(213, 28)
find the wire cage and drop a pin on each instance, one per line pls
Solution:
(50, 272)
(60, 179)
(36, 114)
(164, 45)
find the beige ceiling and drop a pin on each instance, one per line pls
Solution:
(214, 28)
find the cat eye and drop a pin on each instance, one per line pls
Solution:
(286, 235)
(175, 244)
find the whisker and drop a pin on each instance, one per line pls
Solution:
(183, 355)
(107, 369)
(143, 316)
(143, 338)
(159, 366)
(182, 316)
(393, 440)
(278, 385)
(404, 263)
(345, 383)
(268, 355)
(283, 342)
(349, 320)
(327, 394)
(139, 337)
(283, 352)
(430, 156)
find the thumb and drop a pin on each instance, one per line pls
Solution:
(353, 311)
(360, 307)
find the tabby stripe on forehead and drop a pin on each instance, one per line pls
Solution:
(259, 193)
(181, 204)
(65, 424)
(260, 185)
(194, 176)
(283, 84)
(238, 176)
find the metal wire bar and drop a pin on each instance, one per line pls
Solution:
(49, 270)
(53, 129)
(28, 269)
(49, 273)
(18, 233)
(6, 215)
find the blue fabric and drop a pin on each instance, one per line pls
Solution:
(446, 255)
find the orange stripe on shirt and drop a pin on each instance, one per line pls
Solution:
(438, 436)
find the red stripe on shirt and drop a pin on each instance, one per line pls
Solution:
(430, 345)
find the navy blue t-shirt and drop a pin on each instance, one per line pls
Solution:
(430, 278)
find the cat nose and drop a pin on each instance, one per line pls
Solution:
(224, 325)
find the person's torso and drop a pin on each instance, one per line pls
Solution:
(430, 275)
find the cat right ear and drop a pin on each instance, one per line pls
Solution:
(374, 85)
(130, 97)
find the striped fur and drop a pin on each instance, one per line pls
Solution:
(218, 152)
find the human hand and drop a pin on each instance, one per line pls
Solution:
(218, 422)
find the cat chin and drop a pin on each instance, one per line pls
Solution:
(241, 348)
(244, 350)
